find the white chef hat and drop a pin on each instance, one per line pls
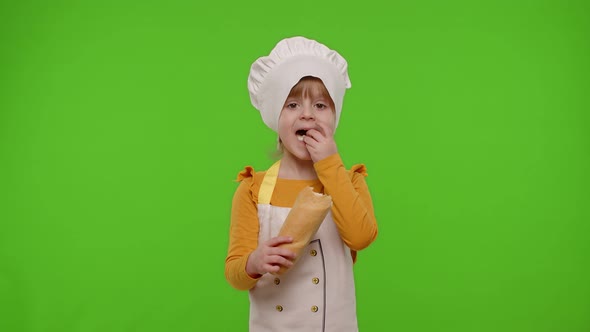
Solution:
(272, 77)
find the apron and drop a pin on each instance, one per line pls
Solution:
(317, 293)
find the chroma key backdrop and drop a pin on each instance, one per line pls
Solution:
(123, 125)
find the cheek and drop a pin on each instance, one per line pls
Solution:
(329, 119)
(284, 127)
(281, 121)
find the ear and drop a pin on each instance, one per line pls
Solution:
(279, 145)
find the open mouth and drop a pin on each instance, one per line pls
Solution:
(301, 134)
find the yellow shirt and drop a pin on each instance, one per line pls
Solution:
(352, 210)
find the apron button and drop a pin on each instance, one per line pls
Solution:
(315, 280)
(277, 281)
(313, 252)
(314, 308)
(279, 308)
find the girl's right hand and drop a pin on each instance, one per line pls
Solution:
(269, 258)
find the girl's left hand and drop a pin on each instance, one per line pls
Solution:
(320, 145)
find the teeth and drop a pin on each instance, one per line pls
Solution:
(300, 138)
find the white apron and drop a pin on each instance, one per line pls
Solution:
(317, 293)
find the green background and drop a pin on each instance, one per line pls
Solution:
(124, 124)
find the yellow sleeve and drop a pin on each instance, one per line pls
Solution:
(243, 233)
(352, 204)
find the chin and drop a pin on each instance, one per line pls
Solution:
(304, 158)
(301, 154)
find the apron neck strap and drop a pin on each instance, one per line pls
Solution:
(268, 183)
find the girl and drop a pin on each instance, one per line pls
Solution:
(299, 89)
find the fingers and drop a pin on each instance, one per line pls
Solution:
(278, 260)
(271, 268)
(319, 150)
(279, 255)
(313, 138)
(273, 263)
(314, 134)
(274, 251)
(321, 135)
(309, 141)
(271, 257)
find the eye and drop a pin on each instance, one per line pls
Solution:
(321, 106)
(291, 106)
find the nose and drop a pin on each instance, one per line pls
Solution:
(307, 113)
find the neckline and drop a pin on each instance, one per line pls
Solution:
(300, 180)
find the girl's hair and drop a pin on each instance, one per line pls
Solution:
(311, 87)
(307, 87)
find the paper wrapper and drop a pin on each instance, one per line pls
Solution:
(304, 220)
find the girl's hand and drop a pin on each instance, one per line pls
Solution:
(320, 145)
(269, 258)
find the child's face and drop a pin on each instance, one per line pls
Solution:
(309, 109)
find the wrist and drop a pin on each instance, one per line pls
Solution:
(330, 160)
(250, 270)
(253, 275)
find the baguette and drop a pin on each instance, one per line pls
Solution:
(304, 220)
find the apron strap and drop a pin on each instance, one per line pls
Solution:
(268, 183)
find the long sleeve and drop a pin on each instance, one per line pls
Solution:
(243, 236)
(352, 204)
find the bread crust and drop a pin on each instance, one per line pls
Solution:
(304, 220)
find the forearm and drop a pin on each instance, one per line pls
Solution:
(243, 238)
(352, 205)
(236, 275)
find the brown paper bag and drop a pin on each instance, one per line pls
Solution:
(304, 220)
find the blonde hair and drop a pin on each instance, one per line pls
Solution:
(307, 87)
(311, 87)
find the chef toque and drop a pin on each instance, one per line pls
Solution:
(272, 77)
